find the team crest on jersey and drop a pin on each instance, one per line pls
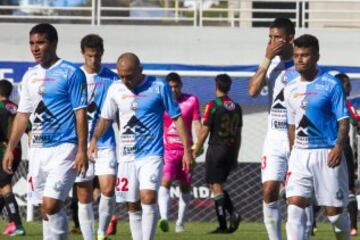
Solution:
(284, 79)
(230, 106)
(58, 186)
(112, 164)
(11, 108)
(134, 105)
(154, 178)
(41, 89)
(303, 104)
(340, 194)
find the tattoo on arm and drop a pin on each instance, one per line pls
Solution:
(343, 131)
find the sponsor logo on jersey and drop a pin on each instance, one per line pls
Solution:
(306, 128)
(339, 195)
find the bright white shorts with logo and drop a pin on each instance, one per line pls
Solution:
(310, 177)
(274, 160)
(106, 163)
(51, 172)
(89, 175)
(137, 175)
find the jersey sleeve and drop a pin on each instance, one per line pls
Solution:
(196, 112)
(290, 112)
(109, 108)
(170, 104)
(338, 104)
(25, 103)
(241, 116)
(208, 112)
(78, 89)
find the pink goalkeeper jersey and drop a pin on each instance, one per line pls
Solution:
(190, 112)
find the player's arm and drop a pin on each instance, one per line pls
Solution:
(291, 134)
(204, 133)
(334, 157)
(81, 160)
(184, 136)
(101, 127)
(197, 125)
(17, 130)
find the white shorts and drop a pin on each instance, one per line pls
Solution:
(310, 177)
(51, 172)
(89, 175)
(274, 160)
(134, 176)
(106, 163)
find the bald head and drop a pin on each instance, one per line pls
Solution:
(129, 69)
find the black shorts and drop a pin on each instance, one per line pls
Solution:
(220, 160)
(5, 178)
(348, 153)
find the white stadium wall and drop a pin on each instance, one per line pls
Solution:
(187, 45)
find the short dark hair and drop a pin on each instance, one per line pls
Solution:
(92, 41)
(284, 23)
(223, 82)
(173, 77)
(6, 88)
(307, 41)
(45, 28)
(342, 76)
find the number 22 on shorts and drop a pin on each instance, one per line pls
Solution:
(122, 184)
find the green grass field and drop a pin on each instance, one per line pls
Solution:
(194, 230)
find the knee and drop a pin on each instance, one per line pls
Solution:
(270, 193)
(50, 208)
(134, 206)
(108, 192)
(148, 197)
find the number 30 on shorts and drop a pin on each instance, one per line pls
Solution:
(122, 184)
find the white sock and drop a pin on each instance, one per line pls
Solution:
(184, 200)
(86, 220)
(135, 225)
(106, 209)
(46, 230)
(163, 201)
(309, 221)
(272, 220)
(341, 223)
(58, 224)
(295, 226)
(149, 219)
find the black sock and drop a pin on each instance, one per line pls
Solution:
(220, 210)
(2, 204)
(12, 209)
(228, 203)
(74, 208)
(352, 209)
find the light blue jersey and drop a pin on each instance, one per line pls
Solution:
(315, 108)
(51, 96)
(97, 86)
(141, 116)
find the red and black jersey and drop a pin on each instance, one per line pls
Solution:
(8, 110)
(224, 118)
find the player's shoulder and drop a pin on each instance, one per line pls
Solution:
(11, 106)
(71, 67)
(328, 78)
(156, 81)
(109, 74)
(190, 97)
(118, 87)
(33, 71)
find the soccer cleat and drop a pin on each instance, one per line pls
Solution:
(102, 237)
(179, 228)
(219, 231)
(353, 232)
(111, 229)
(19, 231)
(10, 228)
(235, 219)
(163, 224)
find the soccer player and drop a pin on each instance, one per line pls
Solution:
(174, 152)
(318, 126)
(271, 72)
(349, 156)
(7, 198)
(223, 121)
(98, 80)
(140, 102)
(53, 96)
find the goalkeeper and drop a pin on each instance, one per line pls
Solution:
(174, 151)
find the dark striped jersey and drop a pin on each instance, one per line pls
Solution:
(224, 118)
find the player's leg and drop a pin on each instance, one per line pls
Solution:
(135, 220)
(309, 213)
(150, 171)
(184, 200)
(59, 172)
(86, 210)
(75, 212)
(219, 199)
(106, 170)
(331, 191)
(299, 191)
